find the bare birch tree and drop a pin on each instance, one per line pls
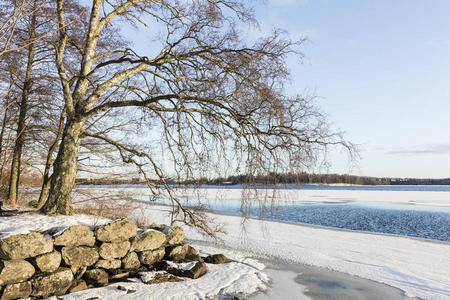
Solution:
(212, 97)
(12, 14)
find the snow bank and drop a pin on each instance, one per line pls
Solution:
(420, 268)
(227, 279)
(26, 223)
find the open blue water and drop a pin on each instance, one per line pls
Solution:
(408, 219)
(415, 223)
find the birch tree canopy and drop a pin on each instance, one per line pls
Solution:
(213, 97)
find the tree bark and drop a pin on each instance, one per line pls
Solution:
(17, 154)
(21, 124)
(59, 199)
(20, 136)
(2, 131)
(46, 178)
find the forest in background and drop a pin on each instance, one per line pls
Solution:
(287, 178)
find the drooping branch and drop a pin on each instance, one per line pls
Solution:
(189, 216)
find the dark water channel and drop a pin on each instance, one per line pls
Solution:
(415, 223)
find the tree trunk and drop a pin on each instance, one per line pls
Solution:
(21, 126)
(46, 178)
(59, 199)
(2, 134)
(20, 136)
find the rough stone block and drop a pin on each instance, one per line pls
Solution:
(119, 230)
(151, 256)
(79, 256)
(160, 277)
(22, 246)
(177, 253)
(15, 271)
(175, 235)
(109, 264)
(216, 259)
(192, 255)
(78, 285)
(48, 262)
(114, 250)
(97, 277)
(16, 291)
(56, 283)
(78, 235)
(148, 240)
(192, 270)
(131, 261)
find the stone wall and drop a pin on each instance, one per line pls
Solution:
(56, 262)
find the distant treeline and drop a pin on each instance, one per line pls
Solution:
(276, 178)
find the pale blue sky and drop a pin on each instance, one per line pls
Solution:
(381, 70)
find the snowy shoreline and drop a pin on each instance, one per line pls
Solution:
(417, 267)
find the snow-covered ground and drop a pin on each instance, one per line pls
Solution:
(241, 277)
(228, 279)
(419, 268)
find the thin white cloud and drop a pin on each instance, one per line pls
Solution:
(422, 150)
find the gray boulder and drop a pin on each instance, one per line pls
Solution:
(148, 240)
(16, 290)
(119, 230)
(216, 259)
(114, 250)
(175, 235)
(78, 235)
(109, 264)
(190, 270)
(131, 261)
(56, 283)
(192, 255)
(48, 262)
(80, 256)
(97, 277)
(160, 277)
(177, 253)
(15, 271)
(149, 257)
(21, 246)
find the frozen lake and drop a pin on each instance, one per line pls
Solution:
(416, 211)
(418, 267)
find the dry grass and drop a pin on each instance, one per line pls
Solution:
(106, 209)
(26, 194)
(116, 209)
